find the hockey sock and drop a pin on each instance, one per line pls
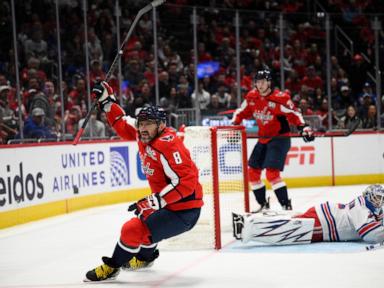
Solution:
(282, 196)
(148, 254)
(119, 257)
(260, 195)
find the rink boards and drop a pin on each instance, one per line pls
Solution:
(46, 180)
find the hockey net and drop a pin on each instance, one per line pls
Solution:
(221, 156)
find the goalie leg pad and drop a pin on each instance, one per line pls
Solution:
(277, 230)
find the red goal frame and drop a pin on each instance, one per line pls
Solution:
(215, 174)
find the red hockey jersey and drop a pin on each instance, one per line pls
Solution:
(166, 163)
(273, 113)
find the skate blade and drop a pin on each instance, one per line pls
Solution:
(129, 269)
(110, 280)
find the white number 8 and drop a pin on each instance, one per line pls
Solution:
(177, 157)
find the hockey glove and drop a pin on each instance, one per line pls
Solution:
(104, 95)
(307, 133)
(148, 205)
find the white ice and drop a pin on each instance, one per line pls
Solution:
(57, 252)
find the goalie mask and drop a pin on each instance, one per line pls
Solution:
(374, 194)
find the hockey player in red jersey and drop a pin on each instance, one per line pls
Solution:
(274, 111)
(360, 219)
(174, 205)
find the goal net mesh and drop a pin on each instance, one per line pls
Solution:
(230, 185)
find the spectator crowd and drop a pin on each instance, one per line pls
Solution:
(45, 115)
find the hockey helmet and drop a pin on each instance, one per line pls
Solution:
(264, 74)
(375, 195)
(152, 113)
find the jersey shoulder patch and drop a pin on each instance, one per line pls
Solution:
(282, 98)
(167, 138)
(252, 97)
(164, 141)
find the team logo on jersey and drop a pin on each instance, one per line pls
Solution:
(271, 105)
(264, 116)
(119, 167)
(150, 153)
(167, 138)
(147, 170)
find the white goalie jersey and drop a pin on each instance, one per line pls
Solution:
(352, 221)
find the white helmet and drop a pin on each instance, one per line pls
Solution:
(375, 195)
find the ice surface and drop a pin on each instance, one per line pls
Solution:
(57, 252)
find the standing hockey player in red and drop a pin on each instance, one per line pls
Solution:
(274, 111)
(176, 200)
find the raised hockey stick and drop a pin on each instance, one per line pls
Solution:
(114, 64)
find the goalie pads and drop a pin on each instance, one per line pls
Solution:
(272, 228)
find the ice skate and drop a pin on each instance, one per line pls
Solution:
(103, 272)
(288, 206)
(137, 264)
(263, 207)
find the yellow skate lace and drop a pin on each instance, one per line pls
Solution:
(135, 264)
(103, 271)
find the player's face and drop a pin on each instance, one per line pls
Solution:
(378, 200)
(263, 85)
(148, 130)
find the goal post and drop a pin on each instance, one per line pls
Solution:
(220, 153)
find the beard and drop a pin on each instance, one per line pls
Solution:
(145, 137)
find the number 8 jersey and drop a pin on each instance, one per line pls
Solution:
(171, 172)
(165, 161)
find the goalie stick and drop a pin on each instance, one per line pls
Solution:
(141, 12)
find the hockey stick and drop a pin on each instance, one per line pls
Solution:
(114, 64)
(317, 135)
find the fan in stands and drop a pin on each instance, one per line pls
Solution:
(273, 111)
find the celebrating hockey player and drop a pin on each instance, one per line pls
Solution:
(273, 111)
(174, 205)
(360, 219)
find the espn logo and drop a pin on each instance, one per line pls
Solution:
(304, 154)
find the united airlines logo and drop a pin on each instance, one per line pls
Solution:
(119, 166)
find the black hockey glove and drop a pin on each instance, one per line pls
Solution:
(306, 132)
(104, 95)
